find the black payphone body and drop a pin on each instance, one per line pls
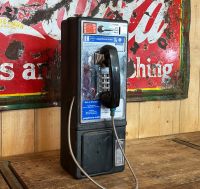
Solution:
(93, 70)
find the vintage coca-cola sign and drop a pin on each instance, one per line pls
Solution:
(158, 47)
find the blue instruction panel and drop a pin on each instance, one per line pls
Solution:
(104, 39)
(91, 109)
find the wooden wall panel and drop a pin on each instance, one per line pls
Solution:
(0, 134)
(195, 44)
(17, 132)
(47, 129)
(169, 117)
(149, 119)
(133, 123)
(195, 25)
(189, 115)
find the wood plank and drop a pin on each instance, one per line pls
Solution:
(189, 116)
(191, 138)
(132, 114)
(0, 134)
(158, 162)
(189, 108)
(3, 184)
(17, 132)
(164, 164)
(10, 176)
(169, 117)
(195, 25)
(195, 38)
(47, 129)
(149, 119)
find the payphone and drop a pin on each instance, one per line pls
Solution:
(94, 63)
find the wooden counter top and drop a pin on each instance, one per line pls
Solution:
(161, 162)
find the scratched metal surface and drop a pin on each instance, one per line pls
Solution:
(158, 64)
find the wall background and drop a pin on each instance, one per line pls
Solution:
(26, 131)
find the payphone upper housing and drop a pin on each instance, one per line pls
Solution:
(85, 76)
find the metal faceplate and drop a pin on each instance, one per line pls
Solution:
(94, 78)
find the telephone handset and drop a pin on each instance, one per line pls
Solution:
(110, 98)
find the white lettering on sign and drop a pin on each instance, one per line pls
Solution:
(152, 70)
(154, 33)
(6, 72)
(33, 71)
(52, 29)
(29, 72)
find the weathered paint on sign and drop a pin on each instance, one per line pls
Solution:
(30, 47)
(158, 66)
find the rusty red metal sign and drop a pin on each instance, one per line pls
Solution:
(158, 66)
(158, 57)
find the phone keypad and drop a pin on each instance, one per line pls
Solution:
(103, 80)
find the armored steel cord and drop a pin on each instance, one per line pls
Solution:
(117, 138)
(71, 151)
(112, 112)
